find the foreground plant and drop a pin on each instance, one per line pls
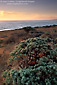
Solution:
(39, 64)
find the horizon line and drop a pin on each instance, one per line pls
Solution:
(26, 20)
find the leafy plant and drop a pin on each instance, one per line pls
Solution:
(42, 75)
(40, 67)
(33, 48)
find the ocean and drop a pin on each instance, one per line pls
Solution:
(11, 25)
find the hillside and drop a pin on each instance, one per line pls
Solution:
(9, 40)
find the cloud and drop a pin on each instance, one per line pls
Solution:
(12, 15)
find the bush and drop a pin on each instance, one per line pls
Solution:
(33, 49)
(42, 64)
(39, 34)
(47, 26)
(33, 75)
(28, 29)
(31, 45)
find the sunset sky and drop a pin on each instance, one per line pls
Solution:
(36, 10)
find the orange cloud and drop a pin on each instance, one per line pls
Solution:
(7, 15)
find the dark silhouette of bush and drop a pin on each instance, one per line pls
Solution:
(39, 34)
(49, 26)
(54, 25)
(28, 29)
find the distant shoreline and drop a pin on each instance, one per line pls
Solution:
(19, 24)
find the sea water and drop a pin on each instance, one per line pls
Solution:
(11, 25)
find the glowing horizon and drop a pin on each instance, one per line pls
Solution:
(40, 10)
(7, 15)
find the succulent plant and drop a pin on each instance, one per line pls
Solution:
(41, 61)
(43, 74)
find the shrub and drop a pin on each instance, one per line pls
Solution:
(39, 34)
(33, 75)
(47, 26)
(28, 29)
(42, 64)
(33, 49)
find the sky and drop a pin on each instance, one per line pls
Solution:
(28, 9)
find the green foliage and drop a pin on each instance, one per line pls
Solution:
(48, 39)
(44, 70)
(27, 47)
(13, 59)
(55, 45)
(42, 75)
(53, 54)
(55, 41)
(35, 48)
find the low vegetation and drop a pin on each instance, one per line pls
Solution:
(39, 63)
(28, 29)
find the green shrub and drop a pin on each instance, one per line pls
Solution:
(42, 75)
(48, 39)
(33, 49)
(42, 60)
(30, 45)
